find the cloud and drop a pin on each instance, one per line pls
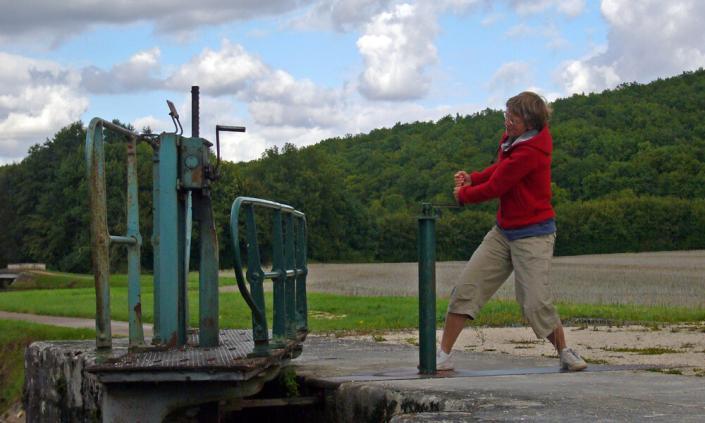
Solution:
(40, 20)
(647, 39)
(274, 96)
(140, 72)
(339, 15)
(508, 80)
(397, 49)
(570, 8)
(226, 71)
(549, 31)
(510, 76)
(38, 98)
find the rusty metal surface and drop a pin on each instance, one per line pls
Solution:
(230, 356)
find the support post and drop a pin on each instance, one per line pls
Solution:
(169, 253)
(133, 250)
(100, 238)
(290, 287)
(301, 304)
(208, 271)
(427, 289)
(279, 289)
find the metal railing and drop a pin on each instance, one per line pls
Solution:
(288, 272)
(101, 239)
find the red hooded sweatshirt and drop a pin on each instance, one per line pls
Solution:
(521, 178)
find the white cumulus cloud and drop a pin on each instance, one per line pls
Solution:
(38, 98)
(647, 39)
(140, 72)
(397, 48)
(42, 20)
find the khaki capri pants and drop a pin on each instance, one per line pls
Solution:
(491, 264)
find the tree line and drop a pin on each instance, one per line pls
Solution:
(628, 175)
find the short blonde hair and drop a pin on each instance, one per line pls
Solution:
(531, 107)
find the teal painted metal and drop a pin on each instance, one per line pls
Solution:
(290, 282)
(208, 276)
(188, 229)
(156, 327)
(255, 276)
(171, 236)
(101, 239)
(288, 271)
(427, 289)
(181, 194)
(134, 296)
(168, 316)
(279, 289)
(301, 272)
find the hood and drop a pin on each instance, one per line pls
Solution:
(541, 141)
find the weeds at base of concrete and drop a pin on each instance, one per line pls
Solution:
(644, 351)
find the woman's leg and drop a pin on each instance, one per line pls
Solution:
(454, 325)
(484, 273)
(532, 265)
(557, 338)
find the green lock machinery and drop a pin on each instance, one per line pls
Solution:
(206, 363)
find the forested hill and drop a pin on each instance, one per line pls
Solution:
(628, 171)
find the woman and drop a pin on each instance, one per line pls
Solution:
(523, 239)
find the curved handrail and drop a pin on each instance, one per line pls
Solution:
(258, 313)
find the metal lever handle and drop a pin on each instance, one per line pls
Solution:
(223, 128)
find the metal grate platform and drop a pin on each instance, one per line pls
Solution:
(228, 361)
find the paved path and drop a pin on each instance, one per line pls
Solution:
(117, 328)
(371, 376)
(379, 382)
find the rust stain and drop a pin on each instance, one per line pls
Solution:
(197, 175)
(138, 311)
(172, 340)
(208, 322)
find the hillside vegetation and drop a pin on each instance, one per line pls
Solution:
(628, 171)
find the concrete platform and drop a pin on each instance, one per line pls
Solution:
(368, 381)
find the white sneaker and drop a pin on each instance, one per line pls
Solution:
(571, 361)
(444, 361)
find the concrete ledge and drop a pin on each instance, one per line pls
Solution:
(363, 383)
(57, 386)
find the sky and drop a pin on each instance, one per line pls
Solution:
(302, 71)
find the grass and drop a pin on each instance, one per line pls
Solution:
(14, 337)
(330, 313)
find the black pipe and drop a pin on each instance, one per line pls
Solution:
(194, 111)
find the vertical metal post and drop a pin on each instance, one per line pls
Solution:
(156, 338)
(134, 298)
(208, 271)
(301, 304)
(181, 288)
(195, 119)
(188, 229)
(290, 281)
(427, 289)
(255, 276)
(168, 253)
(100, 238)
(279, 290)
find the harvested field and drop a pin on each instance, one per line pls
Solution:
(673, 278)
